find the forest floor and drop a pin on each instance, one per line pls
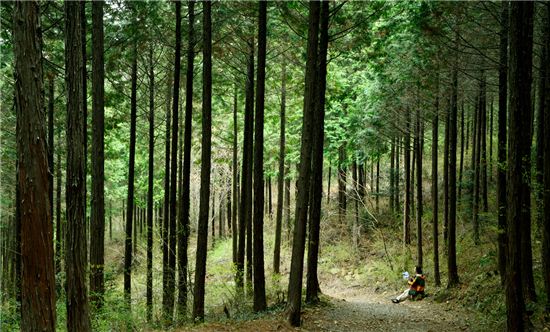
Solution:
(356, 308)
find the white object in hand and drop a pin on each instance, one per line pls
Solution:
(405, 275)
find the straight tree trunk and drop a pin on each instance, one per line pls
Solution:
(355, 197)
(287, 201)
(477, 165)
(407, 210)
(85, 118)
(342, 183)
(259, 273)
(206, 155)
(75, 260)
(150, 188)
(446, 182)
(131, 171)
(519, 142)
(453, 279)
(234, 230)
(546, 165)
(397, 174)
(50, 146)
(281, 176)
(418, 147)
(435, 189)
(97, 225)
(36, 246)
(58, 225)
(170, 279)
(312, 280)
(483, 147)
(166, 206)
(245, 210)
(461, 168)
(183, 235)
(392, 173)
(304, 178)
(377, 184)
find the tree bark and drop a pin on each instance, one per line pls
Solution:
(131, 173)
(97, 226)
(245, 210)
(170, 278)
(407, 209)
(150, 188)
(451, 253)
(435, 188)
(298, 242)
(476, 163)
(75, 261)
(546, 171)
(342, 183)
(312, 281)
(501, 153)
(206, 154)
(234, 230)
(258, 256)
(519, 142)
(418, 147)
(183, 236)
(446, 181)
(281, 176)
(36, 246)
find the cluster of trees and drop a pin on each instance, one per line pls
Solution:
(393, 70)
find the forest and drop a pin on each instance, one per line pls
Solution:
(268, 165)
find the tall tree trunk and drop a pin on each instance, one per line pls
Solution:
(37, 293)
(75, 266)
(281, 176)
(85, 118)
(58, 225)
(519, 143)
(183, 235)
(418, 147)
(546, 163)
(397, 174)
(50, 146)
(392, 174)
(407, 209)
(206, 155)
(170, 278)
(491, 142)
(446, 181)
(97, 225)
(461, 167)
(287, 201)
(245, 210)
(377, 184)
(483, 147)
(259, 273)
(355, 197)
(304, 178)
(131, 171)
(150, 188)
(476, 163)
(235, 184)
(166, 206)
(312, 281)
(435, 188)
(342, 183)
(451, 248)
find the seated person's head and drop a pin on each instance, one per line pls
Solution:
(419, 270)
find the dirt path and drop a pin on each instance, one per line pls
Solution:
(358, 309)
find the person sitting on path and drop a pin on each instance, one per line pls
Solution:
(416, 288)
